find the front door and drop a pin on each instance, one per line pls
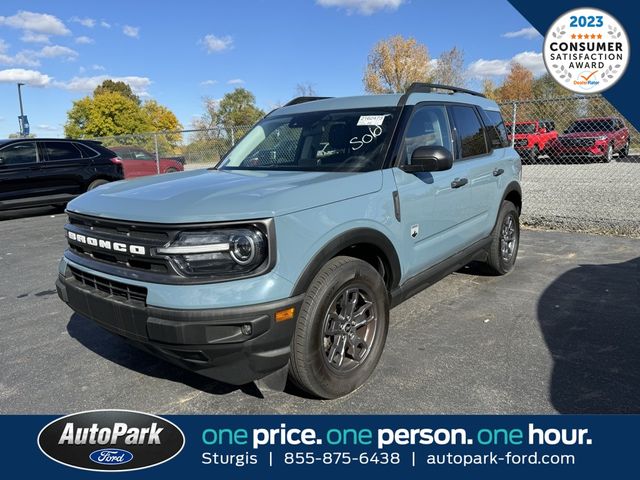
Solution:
(434, 206)
(17, 162)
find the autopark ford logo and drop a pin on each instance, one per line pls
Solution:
(111, 440)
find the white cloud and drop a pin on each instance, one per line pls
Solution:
(486, 68)
(53, 51)
(532, 60)
(85, 22)
(36, 22)
(25, 58)
(129, 31)
(528, 32)
(363, 7)
(84, 40)
(139, 85)
(235, 81)
(205, 83)
(217, 44)
(104, 24)
(29, 77)
(48, 128)
(30, 37)
(98, 68)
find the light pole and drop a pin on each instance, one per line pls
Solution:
(22, 120)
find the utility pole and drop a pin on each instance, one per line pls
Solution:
(22, 120)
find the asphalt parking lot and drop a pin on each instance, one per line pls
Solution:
(560, 334)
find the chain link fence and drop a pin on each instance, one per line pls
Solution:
(581, 164)
(581, 161)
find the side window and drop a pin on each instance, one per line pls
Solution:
(470, 131)
(496, 129)
(141, 155)
(429, 126)
(86, 151)
(55, 151)
(17, 153)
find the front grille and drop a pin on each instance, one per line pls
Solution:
(110, 287)
(577, 142)
(116, 231)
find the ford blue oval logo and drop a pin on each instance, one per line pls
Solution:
(111, 456)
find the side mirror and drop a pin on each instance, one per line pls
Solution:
(429, 159)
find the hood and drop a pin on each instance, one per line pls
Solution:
(603, 133)
(218, 195)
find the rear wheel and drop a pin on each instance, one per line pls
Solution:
(505, 240)
(170, 170)
(96, 183)
(341, 329)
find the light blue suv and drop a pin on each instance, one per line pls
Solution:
(286, 258)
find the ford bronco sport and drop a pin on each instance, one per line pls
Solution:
(286, 258)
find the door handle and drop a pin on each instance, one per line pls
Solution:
(497, 172)
(459, 182)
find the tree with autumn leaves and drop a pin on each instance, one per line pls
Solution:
(114, 110)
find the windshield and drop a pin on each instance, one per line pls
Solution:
(335, 140)
(524, 128)
(580, 126)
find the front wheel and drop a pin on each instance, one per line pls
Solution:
(608, 156)
(534, 154)
(505, 240)
(625, 150)
(341, 329)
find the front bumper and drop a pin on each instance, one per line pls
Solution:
(235, 345)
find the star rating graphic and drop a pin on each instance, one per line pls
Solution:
(586, 36)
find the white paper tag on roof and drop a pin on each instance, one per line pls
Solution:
(372, 120)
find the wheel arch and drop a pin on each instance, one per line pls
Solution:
(367, 244)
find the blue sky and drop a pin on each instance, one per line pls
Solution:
(180, 52)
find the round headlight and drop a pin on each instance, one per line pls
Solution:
(242, 249)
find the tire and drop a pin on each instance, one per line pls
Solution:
(333, 365)
(534, 154)
(625, 150)
(96, 183)
(505, 241)
(609, 155)
(170, 170)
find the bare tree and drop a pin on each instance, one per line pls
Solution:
(449, 68)
(305, 89)
(394, 64)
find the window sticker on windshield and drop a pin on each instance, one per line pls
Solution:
(374, 120)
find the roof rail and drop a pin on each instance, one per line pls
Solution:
(298, 100)
(419, 87)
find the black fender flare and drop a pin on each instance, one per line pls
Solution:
(345, 240)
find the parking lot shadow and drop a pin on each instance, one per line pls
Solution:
(117, 350)
(590, 320)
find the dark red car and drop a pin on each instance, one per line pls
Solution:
(531, 137)
(598, 138)
(139, 163)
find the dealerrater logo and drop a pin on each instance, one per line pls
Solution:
(111, 440)
(586, 50)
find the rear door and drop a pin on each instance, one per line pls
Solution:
(63, 170)
(17, 162)
(435, 207)
(486, 162)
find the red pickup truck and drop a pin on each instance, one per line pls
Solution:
(532, 137)
(587, 138)
(137, 162)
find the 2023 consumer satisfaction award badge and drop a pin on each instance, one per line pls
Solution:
(586, 50)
